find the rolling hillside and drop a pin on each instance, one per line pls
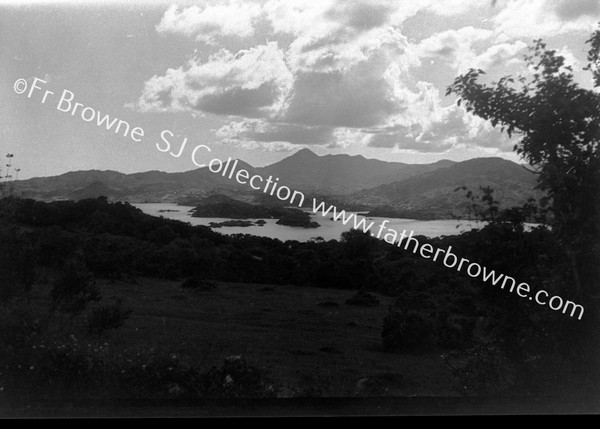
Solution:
(434, 192)
(425, 190)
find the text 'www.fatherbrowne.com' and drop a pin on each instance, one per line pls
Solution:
(449, 259)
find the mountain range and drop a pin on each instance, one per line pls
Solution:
(424, 189)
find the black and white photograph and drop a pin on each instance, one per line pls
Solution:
(299, 208)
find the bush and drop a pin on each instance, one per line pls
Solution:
(363, 299)
(481, 370)
(50, 368)
(455, 331)
(17, 325)
(407, 331)
(74, 288)
(107, 316)
(236, 378)
(198, 283)
(17, 262)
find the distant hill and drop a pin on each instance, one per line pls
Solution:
(304, 170)
(150, 186)
(340, 174)
(433, 193)
(423, 190)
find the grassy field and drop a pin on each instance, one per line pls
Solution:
(308, 341)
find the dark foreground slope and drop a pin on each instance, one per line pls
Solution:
(93, 307)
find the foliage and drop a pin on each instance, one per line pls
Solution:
(407, 330)
(17, 256)
(481, 370)
(419, 320)
(72, 242)
(236, 378)
(104, 317)
(558, 123)
(74, 288)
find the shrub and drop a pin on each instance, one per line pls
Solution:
(16, 263)
(407, 331)
(455, 331)
(74, 288)
(236, 378)
(481, 370)
(17, 325)
(107, 316)
(363, 299)
(149, 374)
(198, 283)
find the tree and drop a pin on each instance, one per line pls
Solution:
(75, 287)
(558, 123)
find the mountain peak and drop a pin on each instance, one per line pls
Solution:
(305, 153)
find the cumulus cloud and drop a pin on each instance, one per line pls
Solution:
(343, 73)
(359, 97)
(541, 18)
(575, 9)
(253, 83)
(453, 46)
(451, 128)
(496, 55)
(453, 7)
(269, 132)
(283, 136)
(296, 16)
(428, 126)
(210, 21)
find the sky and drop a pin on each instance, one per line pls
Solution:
(259, 80)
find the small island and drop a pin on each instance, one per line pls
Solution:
(242, 223)
(226, 207)
(297, 218)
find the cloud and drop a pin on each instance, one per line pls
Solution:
(454, 128)
(296, 16)
(453, 46)
(453, 7)
(545, 18)
(575, 9)
(408, 138)
(463, 49)
(361, 15)
(260, 134)
(341, 73)
(432, 128)
(360, 97)
(268, 132)
(329, 44)
(208, 22)
(252, 83)
(494, 56)
(570, 60)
